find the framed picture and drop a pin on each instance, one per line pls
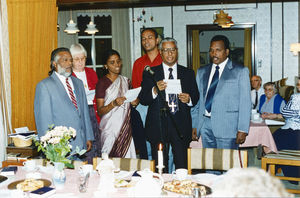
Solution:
(204, 58)
(160, 32)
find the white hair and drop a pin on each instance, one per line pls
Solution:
(77, 49)
(249, 182)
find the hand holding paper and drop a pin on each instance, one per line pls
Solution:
(132, 94)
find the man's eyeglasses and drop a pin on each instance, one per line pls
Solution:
(167, 50)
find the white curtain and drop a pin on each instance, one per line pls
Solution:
(5, 92)
(121, 38)
(64, 39)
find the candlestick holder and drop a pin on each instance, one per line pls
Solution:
(160, 169)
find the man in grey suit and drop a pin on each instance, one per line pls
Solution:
(60, 100)
(222, 114)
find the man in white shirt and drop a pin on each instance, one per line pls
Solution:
(60, 100)
(256, 91)
(222, 114)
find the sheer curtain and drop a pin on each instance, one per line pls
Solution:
(121, 38)
(64, 39)
(5, 121)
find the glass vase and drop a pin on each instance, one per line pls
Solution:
(59, 176)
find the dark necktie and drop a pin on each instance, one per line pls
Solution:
(173, 101)
(211, 90)
(73, 99)
(256, 100)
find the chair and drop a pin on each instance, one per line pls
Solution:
(284, 157)
(216, 159)
(128, 164)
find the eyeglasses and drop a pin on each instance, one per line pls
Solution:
(167, 50)
(79, 59)
(270, 89)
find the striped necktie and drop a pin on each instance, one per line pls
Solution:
(73, 99)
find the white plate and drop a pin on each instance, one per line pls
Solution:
(257, 121)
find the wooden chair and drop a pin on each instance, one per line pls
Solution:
(284, 157)
(128, 164)
(216, 159)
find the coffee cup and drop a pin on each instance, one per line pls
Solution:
(29, 165)
(87, 168)
(180, 174)
(255, 116)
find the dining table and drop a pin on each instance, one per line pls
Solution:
(71, 185)
(259, 134)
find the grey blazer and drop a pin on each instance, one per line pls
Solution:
(231, 106)
(52, 105)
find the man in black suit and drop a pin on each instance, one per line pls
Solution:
(159, 125)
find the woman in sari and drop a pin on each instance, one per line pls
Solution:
(115, 125)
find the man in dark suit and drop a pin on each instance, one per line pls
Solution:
(159, 125)
(60, 100)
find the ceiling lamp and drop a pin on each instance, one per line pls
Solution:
(91, 28)
(71, 26)
(222, 19)
(295, 48)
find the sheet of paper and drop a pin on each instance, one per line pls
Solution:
(21, 130)
(173, 86)
(90, 95)
(132, 94)
(274, 122)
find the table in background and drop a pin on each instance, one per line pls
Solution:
(259, 133)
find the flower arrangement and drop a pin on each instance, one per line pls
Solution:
(55, 144)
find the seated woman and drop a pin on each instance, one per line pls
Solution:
(288, 136)
(270, 103)
(115, 125)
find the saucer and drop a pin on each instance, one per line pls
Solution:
(260, 120)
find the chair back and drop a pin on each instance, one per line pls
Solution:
(216, 159)
(128, 164)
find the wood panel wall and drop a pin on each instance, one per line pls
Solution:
(32, 37)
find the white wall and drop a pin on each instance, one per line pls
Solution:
(270, 62)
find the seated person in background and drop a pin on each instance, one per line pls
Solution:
(256, 91)
(115, 125)
(270, 103)
(249, 182)
(288, 136)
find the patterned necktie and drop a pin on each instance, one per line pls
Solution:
(73, 99)
(173, 100)
(212, 89)
(256, 100)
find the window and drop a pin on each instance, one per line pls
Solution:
(98, 43)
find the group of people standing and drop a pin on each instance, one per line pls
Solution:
(215, 104)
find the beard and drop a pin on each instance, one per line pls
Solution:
(62, 71)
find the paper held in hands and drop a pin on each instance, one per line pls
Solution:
(132, 94)
(173, 86)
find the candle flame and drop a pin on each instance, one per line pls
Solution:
(160, 147)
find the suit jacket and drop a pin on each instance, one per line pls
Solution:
(52, 105)
(182, 117)
(231, 106)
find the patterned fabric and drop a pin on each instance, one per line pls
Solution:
(212, 89)
(291, 112)
(73, 99)
(173, 100)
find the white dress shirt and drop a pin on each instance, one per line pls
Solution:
(212, 72)
(260, 92)
(63, 81)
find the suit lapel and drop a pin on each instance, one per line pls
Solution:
(62, 91)
(225, 75)
(206, 78)
(76, 91)
(160, 76)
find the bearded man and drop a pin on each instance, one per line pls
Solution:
(60, 100)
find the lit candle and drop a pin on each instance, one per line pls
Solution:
(160, 156)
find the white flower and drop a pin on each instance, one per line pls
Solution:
(73, 131)
(54, 140)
